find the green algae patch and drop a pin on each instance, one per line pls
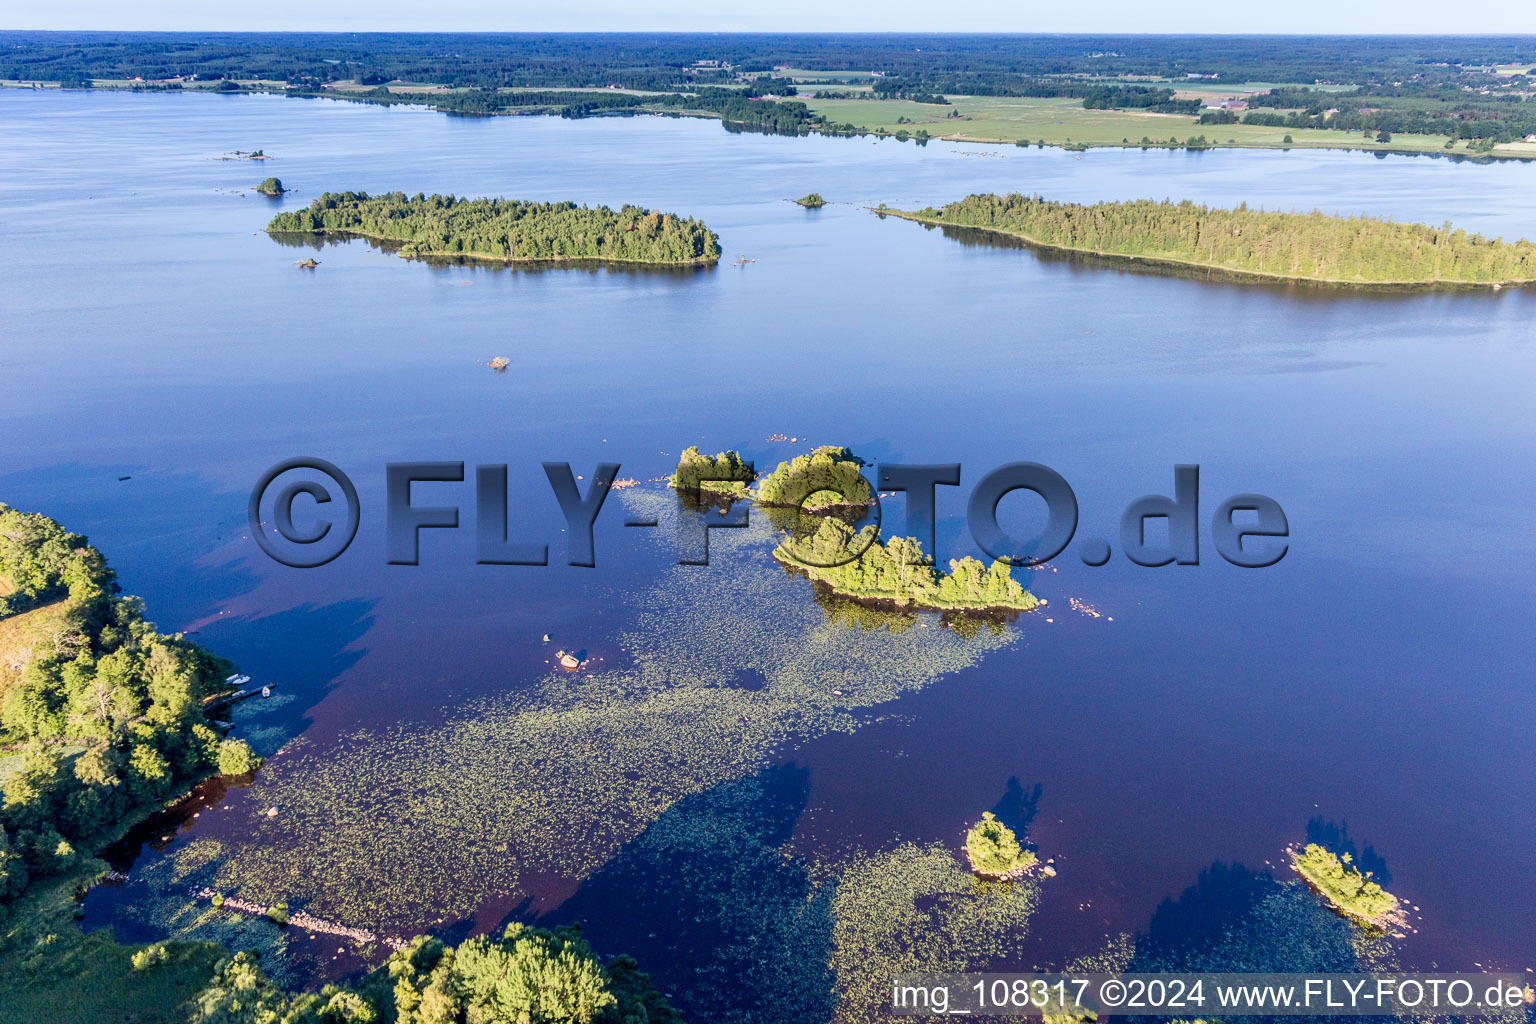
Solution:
(521, 796)
(918, 909)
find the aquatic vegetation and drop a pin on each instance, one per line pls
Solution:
(994, 851)
(1301, 246)
(915, 908)
(507, 229)
(402, 826)
(1344, 887)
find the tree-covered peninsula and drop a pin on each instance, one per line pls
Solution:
(1247, 242)
(101, 714)
(103, 721)
(507, 230)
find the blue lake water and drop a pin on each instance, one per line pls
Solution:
(1377, 680)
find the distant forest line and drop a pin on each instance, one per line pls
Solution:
(1246, 241)
(1476, 88)
(654, 60)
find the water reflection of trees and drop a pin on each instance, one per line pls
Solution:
(317, 242)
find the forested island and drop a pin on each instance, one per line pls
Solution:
(104, 720)
(895, 570)
(1346, 889)
(1247, 242)
(994, 851)
(811, 201)
(506, 230)
(828, 476)
(724, 473)
(856, 564)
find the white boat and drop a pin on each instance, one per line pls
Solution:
(266, 691)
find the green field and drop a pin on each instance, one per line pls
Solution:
(1060, 121)
(52, 971)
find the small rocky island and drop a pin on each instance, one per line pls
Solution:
(506, 230)
(271, 187)
(812, 201)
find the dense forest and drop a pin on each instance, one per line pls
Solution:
(507, 229)
(106, 712)
(829, 471)
(1311, 246)
(1504, 113)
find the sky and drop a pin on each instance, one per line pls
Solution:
(1217, 16)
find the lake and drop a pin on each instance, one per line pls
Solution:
(724, 789)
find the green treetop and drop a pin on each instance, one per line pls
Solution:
(724, 471)
(527, 976)
(895, 570)
(829, 468)
(994, 851)
(507, 229)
